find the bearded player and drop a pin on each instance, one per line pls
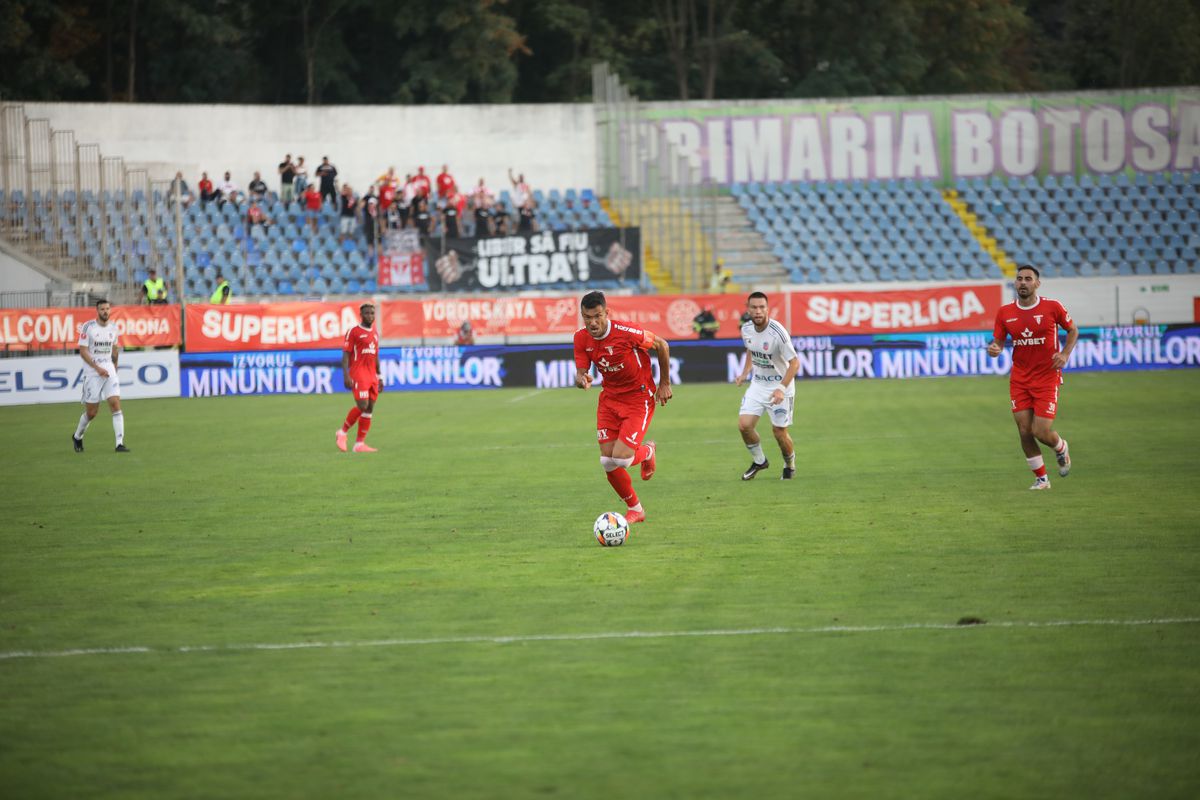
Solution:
(360, 368)
(621, 354)
(1037, 364)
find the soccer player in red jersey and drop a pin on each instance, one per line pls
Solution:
(1037, 364)
(621, 354)
(360, 366)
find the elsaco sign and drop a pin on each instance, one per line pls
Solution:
(59, 379)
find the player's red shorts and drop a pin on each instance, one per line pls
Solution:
(366, 387)
(626, 418)
(1041, 397)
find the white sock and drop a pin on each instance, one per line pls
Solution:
(756, 452)
(119, 426)
(790, 459)
(1062, 446)
(1035, 463)
(638, 507)
(82, 427)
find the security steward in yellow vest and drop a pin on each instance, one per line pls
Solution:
(155, 289)
(705, 324)
(222, 293)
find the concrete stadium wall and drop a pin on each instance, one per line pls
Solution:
(16, 276)
(552, 144)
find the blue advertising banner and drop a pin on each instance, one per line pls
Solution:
(895, 356)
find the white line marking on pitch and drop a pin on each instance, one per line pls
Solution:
(525, 396)
(585, 637)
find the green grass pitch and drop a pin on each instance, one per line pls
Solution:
(448, 628)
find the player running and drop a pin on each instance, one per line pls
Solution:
(628, 396)
(771, 355)
(1037, 364)
(99, 348)
(360, 368)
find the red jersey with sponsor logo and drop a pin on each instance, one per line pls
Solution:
(1034, 332)
(363, 346)
(621, 357)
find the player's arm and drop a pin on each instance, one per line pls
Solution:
(1061, 358)
(346, 370)
(86, 354)
(116, 352)
(583, 376)
(663, 351)
(378, 370)
(779, 395)
(996, 346)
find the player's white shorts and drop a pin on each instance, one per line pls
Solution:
(96, 388)
(757, 403)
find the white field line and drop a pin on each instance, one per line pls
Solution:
(525, 396)
(585, 637)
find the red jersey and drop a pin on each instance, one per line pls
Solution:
(421, 183)
(621, 357)
(312, 198)
(445, 184)
(1034, 332)
(363, 346)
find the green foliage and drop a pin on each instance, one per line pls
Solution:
(235, 521)
(499, 51)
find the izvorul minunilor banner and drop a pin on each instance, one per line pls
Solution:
(535, 260)
(939, 139)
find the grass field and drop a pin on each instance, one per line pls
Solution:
(435, 620)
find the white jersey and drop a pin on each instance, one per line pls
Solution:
(101, 342)
(771, 350)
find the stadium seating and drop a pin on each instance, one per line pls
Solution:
(286, 258)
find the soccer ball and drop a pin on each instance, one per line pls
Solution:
(611, 529)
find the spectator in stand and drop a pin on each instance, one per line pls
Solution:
(327, 173)
(387, 194)
(452, 211)
(300, 182)
(465, 336)
(207, 193)
(349, 213)
(389, 177)
(721, 277)
(154, 289)
(227, 191)
(484, 226)
(527, 217)
(481, 195)
(500, 220)
(185, 194)
(420, 216)
(257, 187)
(371, 217)
(257, 220)
(445, 183)
(287, 180)
(422, 182)
(408, 196)
(312, 205)
(521, 191)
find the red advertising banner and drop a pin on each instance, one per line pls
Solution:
(58, 328)
(945, 308)
(271, 326)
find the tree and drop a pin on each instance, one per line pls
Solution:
(41, 44)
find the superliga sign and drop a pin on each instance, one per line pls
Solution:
(945, 139)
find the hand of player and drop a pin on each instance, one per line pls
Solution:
(379, 382)
(102, 372)
(777, 397)
(994, 349)
(583, 379)
(663, 394)
(739, 380)
(1058, 360)
(349, 384)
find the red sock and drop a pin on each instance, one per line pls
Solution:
(640, 455)
(351, 418)
(1038, 465)
(621, 481)
(364, 425)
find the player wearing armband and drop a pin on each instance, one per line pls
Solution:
(1033, 322)
(620, 352)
